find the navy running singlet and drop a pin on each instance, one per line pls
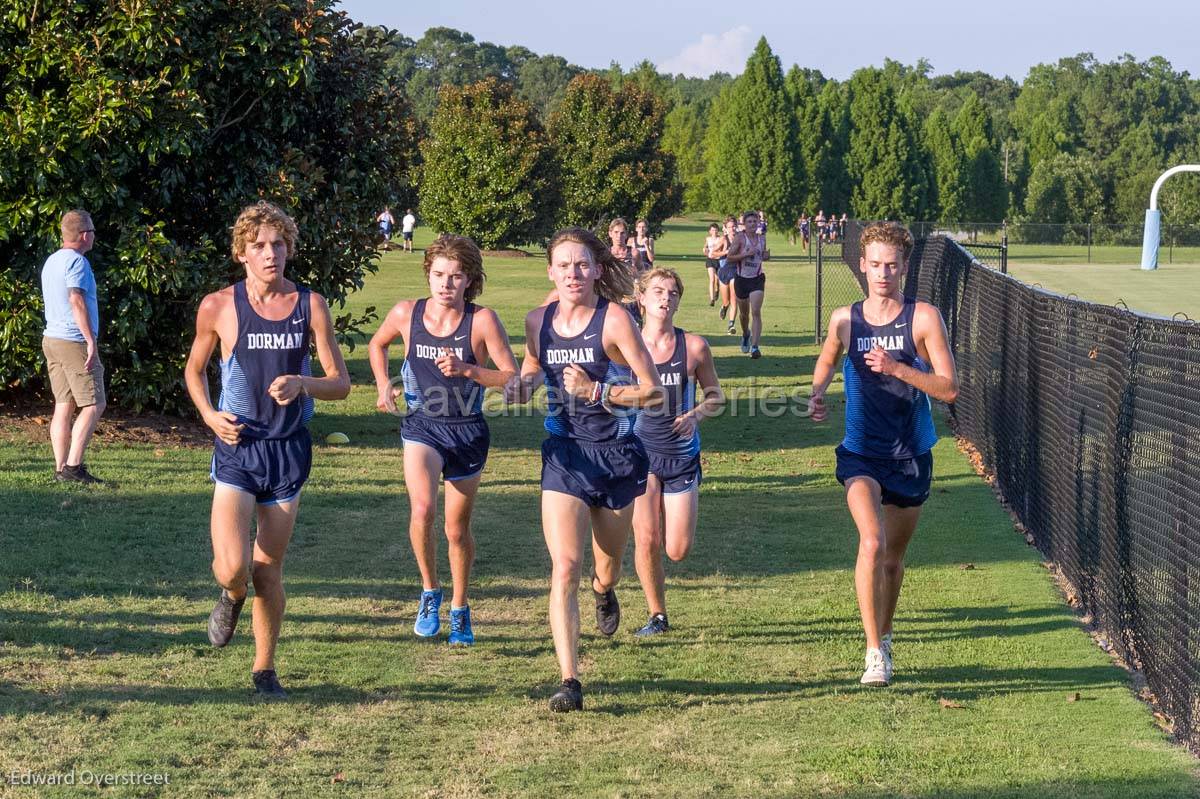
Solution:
(654, 424)
(568, 416)
(885, 417)
(426, 389)
(263, 351)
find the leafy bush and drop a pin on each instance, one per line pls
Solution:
(163, 118)
(488, 172)
(610, 153)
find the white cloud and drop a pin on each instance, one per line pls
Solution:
(725, 52)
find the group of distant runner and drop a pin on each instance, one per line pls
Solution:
(627, 390)
(734, 260)
(824, 228)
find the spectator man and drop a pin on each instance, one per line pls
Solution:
(406, 227)
(69, 344)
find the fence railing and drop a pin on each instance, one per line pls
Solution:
(1089, 417)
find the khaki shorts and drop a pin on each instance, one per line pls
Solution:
(68, 380)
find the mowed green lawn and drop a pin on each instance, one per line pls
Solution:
(105, 669)
(1164, 291)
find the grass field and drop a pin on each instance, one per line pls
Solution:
(104, 667)
(1164, 291)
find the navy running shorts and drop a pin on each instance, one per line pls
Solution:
(462, 442)
(903, 483)
(408, 235)
(678, 475)
(727, 272)
(743, 287)
(713, 263)
(272, 469)
(609, 475)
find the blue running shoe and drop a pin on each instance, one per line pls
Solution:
(746, 342)
(460, 627)
(428, 622)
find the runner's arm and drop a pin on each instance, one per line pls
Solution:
(496, 348)
(391, 328)
(223, 423)
(520, 388)
(929, 332)
(831, 350)
(335, 384)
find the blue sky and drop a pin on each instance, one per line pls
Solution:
(1001, 38)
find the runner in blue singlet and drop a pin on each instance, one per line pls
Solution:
(664, 518)
(588, 355)
(265, 326)
(897, 358)
(448, 340)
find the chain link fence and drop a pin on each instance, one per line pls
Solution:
(1089, 417)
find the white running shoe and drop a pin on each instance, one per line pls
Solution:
(885, 646)
(879, 669)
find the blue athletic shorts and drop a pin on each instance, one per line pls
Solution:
(462, 442)
(903, 483)
(272, 469)
(727, 272)
(678, 475)
(609, 475)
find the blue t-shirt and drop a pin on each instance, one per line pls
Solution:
(66, 270)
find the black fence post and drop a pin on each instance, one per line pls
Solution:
(1089, 242)
(817, 319)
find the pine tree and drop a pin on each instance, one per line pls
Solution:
(488, 172)
(985, 195)
(948, 203)
(885, 162)
(812, 135)
(754, 161)
(683, 137)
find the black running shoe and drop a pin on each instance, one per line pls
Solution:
(755, 353)
(656, 626)
(266, 684)
(712, 302)
(568, 697)
(608, 610)
(77, 474)
(223, 619)
(724, 310)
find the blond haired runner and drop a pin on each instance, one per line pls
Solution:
(593, 466)
(265, 326)
(664, 518)
(448, 341)
(897, 357)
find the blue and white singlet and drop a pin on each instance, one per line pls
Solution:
(885, 417)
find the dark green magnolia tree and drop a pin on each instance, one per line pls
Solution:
(885, 161)
(163, 118)
(488, 171)
(611, 155)
(755, 159)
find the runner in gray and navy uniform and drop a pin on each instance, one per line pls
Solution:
(448, 339)
(897, 358)
(664, 518)
(265, 326)
(592, 465)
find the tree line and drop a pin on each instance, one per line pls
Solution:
(1078, 141)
